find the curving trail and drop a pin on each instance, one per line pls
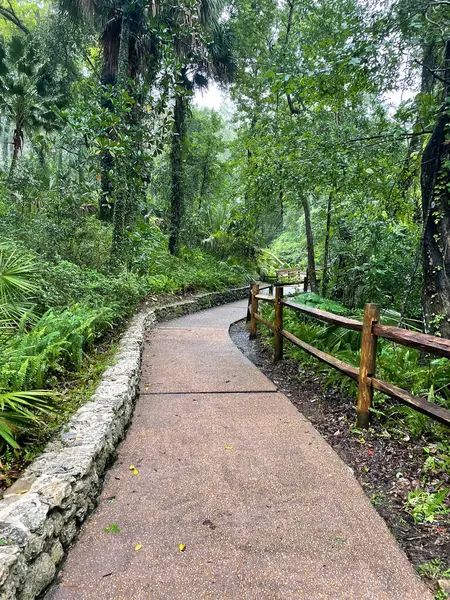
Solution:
(229, 468)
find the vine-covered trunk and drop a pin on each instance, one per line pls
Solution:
(121, 188)
(176, 163)
(435, 182)
(111, 39)
(17, 147)
(310, 247)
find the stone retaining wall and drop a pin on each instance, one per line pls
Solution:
(41, 513)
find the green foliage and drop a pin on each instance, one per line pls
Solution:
(17, 286)
(434, 569)
(424, 507)
(55, 342)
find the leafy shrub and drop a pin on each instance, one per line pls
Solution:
(424, 506)
(56, 342)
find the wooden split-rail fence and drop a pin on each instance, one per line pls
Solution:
(371, 329)
(293, 276)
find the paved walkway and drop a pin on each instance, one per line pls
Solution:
(229, 468)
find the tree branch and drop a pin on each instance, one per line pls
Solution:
(388, 135)
(432, 71)
(293, 110)
(10, 15)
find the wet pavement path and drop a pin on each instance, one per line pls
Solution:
(223, 464)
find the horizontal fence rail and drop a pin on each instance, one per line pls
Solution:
(326, 316)
(370, 330)
(413, 339)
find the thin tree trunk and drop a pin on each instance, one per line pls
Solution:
(435, 181)
(281, 201)
(310, 247)
(17, 148)
(327, 247)
(177, 184)
(118, 238)
(6, 141)
(202, 185)
(111, 42)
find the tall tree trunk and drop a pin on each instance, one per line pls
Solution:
(121, 189)
(111, 42)
(408, 177)
(310, 247)
(202, 185)
(435, 182)
(177, 167)
(327, 246)
(6, 141)
(281, 205)
(17, 147)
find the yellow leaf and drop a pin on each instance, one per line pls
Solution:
(182, 547)
(228, 448)
(132, 467)
(23, 492)
(135, 472)
(138, 547)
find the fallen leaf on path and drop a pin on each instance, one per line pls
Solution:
(370, 452)
(138, 546)
(135, 472)
(228, 448)
(182, 547)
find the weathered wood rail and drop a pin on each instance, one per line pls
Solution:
(371, 330)
(292, 276)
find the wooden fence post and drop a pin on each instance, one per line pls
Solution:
(278, 338)
(306, 282)
(249, 314)
(253, 321)
(368, 363)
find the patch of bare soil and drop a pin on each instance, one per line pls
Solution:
(386, 467)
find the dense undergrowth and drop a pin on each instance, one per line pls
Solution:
(425, 376)
(58, 320)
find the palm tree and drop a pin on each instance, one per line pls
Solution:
(26, 92)
(17, 287)
(142, 57)
(201, 62)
